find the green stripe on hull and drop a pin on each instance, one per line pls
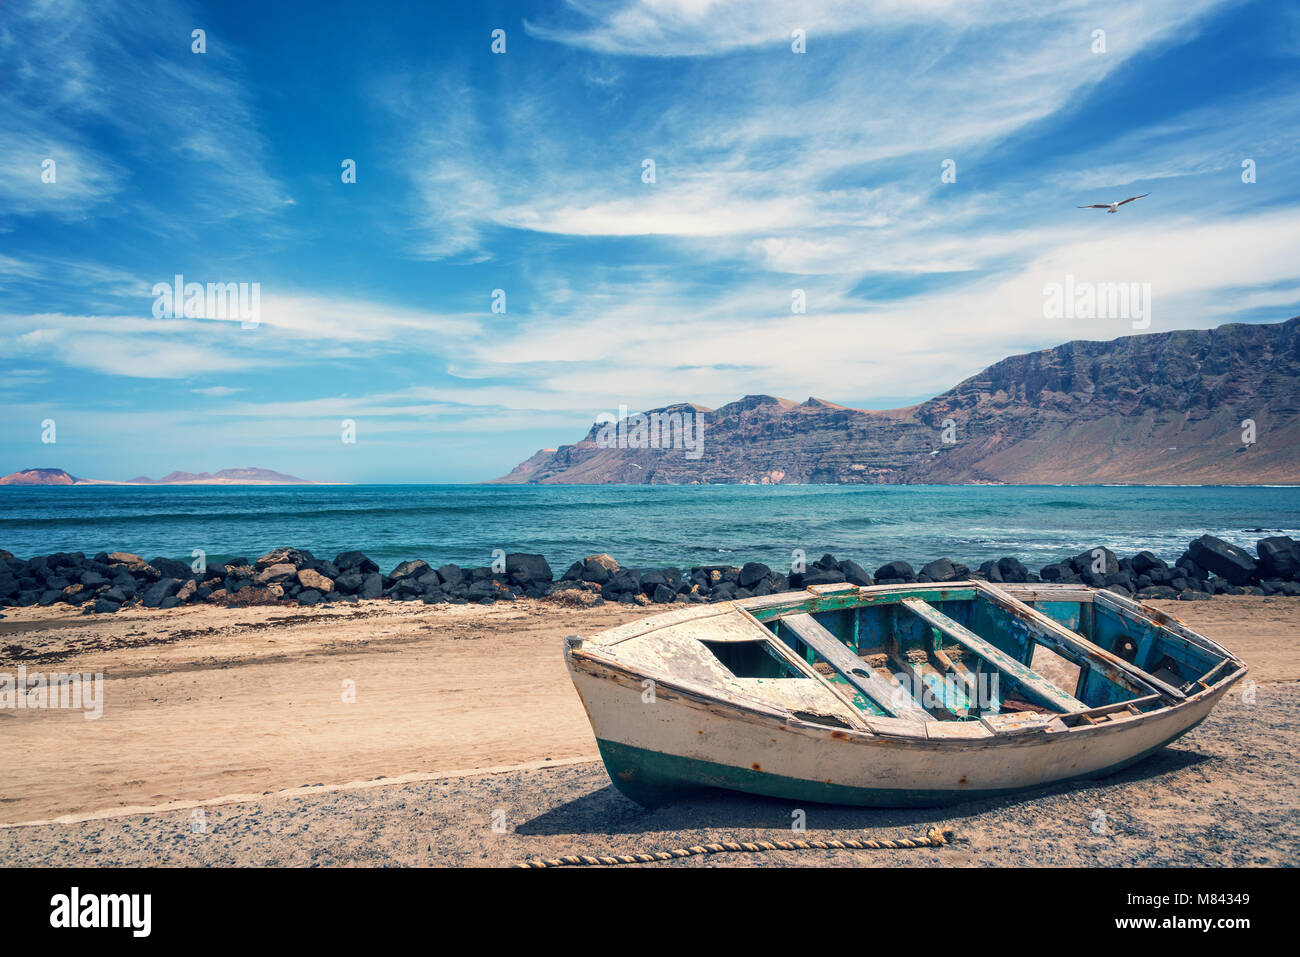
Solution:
(652, 778)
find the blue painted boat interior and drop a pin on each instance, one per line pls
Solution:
(892, 640)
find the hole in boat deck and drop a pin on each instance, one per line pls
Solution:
(750, 659)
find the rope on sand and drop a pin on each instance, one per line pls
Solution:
(934, 837)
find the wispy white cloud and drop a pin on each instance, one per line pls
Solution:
(288, 330)
(809, 149)
(1210, 140)
(126, 67)
(847, 348)
(710, 27)
(52, 172)
(216, 391)
(616, 341)
(120, 346)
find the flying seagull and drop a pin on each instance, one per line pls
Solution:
(1113, 207)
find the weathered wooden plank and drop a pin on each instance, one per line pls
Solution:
(901, 727)
(1022, 722)
(946, 696)
(1047, 591)
(831, 588)
(777, 606)
(1207, 680)
(641, 626)
(784, 599)
(969, 730)
(808, 671)
(1034, 684)
(1134, 706)
(853, 669)
(949, 692)
(1059, 638)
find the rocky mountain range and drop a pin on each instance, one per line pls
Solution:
(239, 476)
(1217, 406)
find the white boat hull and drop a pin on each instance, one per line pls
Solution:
(658, 745)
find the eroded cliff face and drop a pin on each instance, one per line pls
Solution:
(1160, 408)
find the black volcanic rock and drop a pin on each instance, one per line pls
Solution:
(1012, 570)
(651, 579)
(172, 567)
(159, 592)
(1157, 591)
(855, 573)
(1098, 561)
(1187, 566)
(942, 570)
(354, 561)
(626, 581)
(599, 568)
(349, 582)
(897, 571)
(524, 569)
(96, 584)
(1059, 572)
(1144, 562)
(1279, 557)
(410, 569)
(451, 575)
(481, 590)
(1223, 559)
(822, 576)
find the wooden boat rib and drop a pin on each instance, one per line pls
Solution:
(895, 695)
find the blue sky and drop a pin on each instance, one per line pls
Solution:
(523, 172)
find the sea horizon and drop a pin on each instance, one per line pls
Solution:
(642, 525)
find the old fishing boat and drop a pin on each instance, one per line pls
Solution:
(893, 695)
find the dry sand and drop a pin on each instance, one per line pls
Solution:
(227, 708)
(205, 701)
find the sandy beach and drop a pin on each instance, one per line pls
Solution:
(386, 733)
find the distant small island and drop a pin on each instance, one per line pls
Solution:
(240, 476)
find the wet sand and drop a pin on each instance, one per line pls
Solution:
(222, 706)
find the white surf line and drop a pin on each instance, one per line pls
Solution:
(306, 790)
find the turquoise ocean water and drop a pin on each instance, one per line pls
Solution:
(641, 525)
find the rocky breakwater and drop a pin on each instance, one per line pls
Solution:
(107, 582)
